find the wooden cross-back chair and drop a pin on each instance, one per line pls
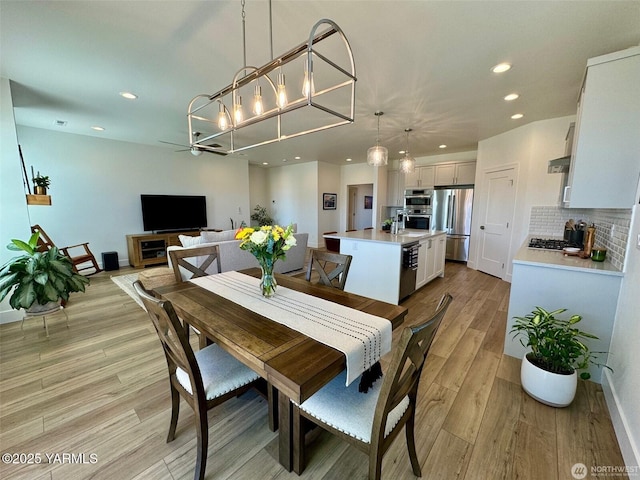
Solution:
(204, 379)
(332, 268)
(85, 260)
(371, 421)
(195, 260)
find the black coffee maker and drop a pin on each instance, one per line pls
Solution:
(574, 233)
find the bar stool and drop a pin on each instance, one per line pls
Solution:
(44, 313)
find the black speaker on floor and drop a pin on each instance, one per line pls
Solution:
(110, 261)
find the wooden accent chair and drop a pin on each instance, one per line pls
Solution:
(81, 261)
(332, 244)
(197, 267)
(371, 421)
(204, 379)
(332, 268)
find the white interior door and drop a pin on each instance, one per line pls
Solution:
(496, 220)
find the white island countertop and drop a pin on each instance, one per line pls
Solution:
(557, 259)
(405, 236)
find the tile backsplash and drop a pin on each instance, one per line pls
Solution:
(612, 227)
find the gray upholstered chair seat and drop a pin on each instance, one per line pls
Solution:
(221, 373)
(350, 411)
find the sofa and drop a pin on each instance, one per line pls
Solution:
(233, 258)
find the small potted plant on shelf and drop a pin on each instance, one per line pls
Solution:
(41, 183)
(557, 352)
(39, 280)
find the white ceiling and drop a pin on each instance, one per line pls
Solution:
(426, 64)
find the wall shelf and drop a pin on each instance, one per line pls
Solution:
(38, 199)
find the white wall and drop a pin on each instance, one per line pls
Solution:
(328, 182)
(293, 191)
(622, 386)
(530, 147)
(14, 219)
(258, 189)
(96, 186)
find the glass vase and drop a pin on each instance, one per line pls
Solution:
(268, 282)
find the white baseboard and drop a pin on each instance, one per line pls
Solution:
(9, 316)
(630, 452)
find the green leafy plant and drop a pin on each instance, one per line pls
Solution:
(41, 181)
(261, 216)
(38, 277)
(556, 345)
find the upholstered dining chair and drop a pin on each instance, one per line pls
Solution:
(332, 244)
(371, 421)
(80, 259)
(204, 379)
(332, 268)
(195, 260)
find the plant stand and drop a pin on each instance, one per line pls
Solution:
(52, 311)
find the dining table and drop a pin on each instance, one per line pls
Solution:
(294, 365)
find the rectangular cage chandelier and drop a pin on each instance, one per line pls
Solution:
(319, 94)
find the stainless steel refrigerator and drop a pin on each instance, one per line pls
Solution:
(452, 213)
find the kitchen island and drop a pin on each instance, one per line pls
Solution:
(377, 269)
(553, 280)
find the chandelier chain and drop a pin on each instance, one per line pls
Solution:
(244, 39)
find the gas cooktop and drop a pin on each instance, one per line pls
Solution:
(550, 244)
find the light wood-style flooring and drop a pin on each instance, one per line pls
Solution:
(97, 392)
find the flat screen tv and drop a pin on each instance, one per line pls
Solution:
(173, 212)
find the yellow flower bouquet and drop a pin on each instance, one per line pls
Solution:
(268, 244)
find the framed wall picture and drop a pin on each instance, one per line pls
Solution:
(329, 201)
(368, 202)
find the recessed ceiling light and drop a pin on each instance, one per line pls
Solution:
(511, 96)
(128, 95)
(265, 163)
(284, 159)
(501, 68)
(97, 128)
(348, 160)
(401, 152)
(442, 146)
(517, 116)
(297, 158)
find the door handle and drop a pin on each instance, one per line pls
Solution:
(481, 227)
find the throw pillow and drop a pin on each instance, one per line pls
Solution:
(188, 241)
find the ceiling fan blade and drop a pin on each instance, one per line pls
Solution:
(171, 143)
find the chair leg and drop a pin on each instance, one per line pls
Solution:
(411, 445)
(202, 429)
(175, 411)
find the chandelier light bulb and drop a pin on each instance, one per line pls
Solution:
(308, 88)
(238, 116)
(258, 107)
(282, 91)
(223, 124)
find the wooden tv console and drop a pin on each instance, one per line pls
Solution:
(146, 249)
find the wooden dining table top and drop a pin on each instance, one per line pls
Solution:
(295, 364)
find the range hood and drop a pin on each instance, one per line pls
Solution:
(561, 165)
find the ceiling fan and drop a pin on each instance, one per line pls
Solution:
(197, 150)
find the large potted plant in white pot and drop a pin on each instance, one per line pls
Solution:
(39, 280)
(556, 353)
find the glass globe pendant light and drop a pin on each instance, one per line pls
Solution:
(378, 155)
(407, 163)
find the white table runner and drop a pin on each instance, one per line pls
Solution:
(362, 337)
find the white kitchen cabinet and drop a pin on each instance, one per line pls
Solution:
(605, 167)
(421, 177)
(455, 174)
(430, 259)
(395, 188)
